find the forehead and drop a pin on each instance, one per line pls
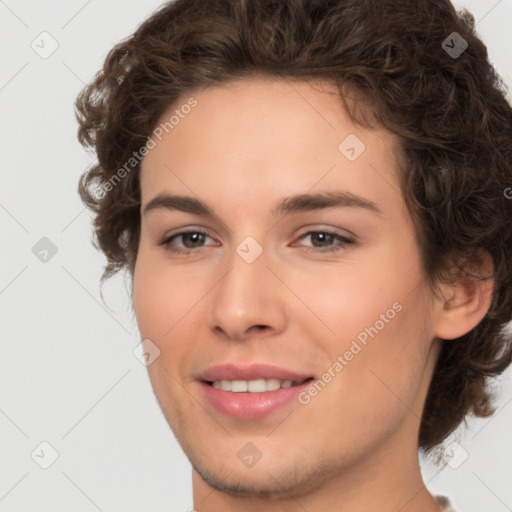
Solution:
(266, 134)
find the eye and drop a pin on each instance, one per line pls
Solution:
(185, 242)
(325, 241)
(194, 241)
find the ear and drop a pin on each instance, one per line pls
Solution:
(465, 302)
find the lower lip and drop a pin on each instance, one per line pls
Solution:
(251, 406)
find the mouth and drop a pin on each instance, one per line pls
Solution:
(251, 392)
(256, 385)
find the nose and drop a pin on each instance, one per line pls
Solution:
(248, 301)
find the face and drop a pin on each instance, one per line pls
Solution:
(285, 253)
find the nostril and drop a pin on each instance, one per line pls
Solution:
(259, 327)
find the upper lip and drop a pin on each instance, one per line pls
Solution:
(231, 371)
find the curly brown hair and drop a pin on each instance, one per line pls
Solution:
(449, 113)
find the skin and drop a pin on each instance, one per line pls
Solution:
(245, 147)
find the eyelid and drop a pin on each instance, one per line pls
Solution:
(167, 238)
(185, 230)
(322, 228)
(342, 240)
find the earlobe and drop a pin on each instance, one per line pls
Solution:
(465, 302)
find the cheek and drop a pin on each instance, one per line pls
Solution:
(160, 307)
(151, 302)
(168, 306)
(379, 332)
(383, 365)
(345, 302)
(161, 295)
(352, 295)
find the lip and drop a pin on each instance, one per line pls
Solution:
(230, 371)
(245, 405)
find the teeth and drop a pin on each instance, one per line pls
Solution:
(252, 386)
(256, 386)
(238, 386)
(273, 384)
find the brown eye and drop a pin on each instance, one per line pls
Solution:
(325, 241)
(185, 241)
(320, 239)
(192, 240)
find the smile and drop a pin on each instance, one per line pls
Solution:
(250, 391)
(253, 386)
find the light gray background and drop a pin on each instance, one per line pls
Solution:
(68, 373)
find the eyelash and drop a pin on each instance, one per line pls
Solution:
(344, 242)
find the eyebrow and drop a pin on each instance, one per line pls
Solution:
(293, 204)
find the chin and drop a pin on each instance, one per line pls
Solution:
(270, 479)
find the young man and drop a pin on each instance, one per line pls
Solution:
(310, 198)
